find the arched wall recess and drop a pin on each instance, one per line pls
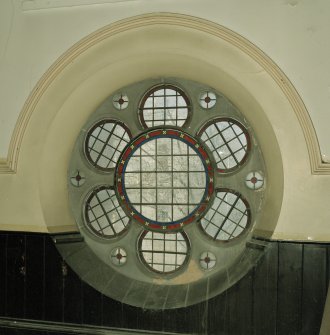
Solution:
(153, 46)
(9, 165)
(156, 47)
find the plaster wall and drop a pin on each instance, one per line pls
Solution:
(34, 38)
(294, 33)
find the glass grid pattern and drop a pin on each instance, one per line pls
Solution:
(228, 142)
(120, 101)
(165, 179)
(78, 179)
(105, 142)
(164, 106)
(118, 256)
(104, 216)
(208, 100)
(227, 218)
(254, 180)
(207, 260)
(164, 253)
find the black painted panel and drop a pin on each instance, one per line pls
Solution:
(3, 273)
(265, 292)
(112, 315)
(13, 331)
(218, 314)
(194, 318)
(35, 277)
(72, 296)
(314, 288)
(10, 331)
(284, 294)
(328, 265)
(53, 283)
(173, 320)
(92, 305)
(150, 320)
(238, 314)
(244, 311)
(289, 289)
(130, 316)
(15, 276)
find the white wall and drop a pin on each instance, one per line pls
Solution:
(294, 33)
(35, 33)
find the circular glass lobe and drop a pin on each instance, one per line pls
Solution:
(208, 100)
(118, 256)
(120, 101)
(207, 260)
(103, 214)
(228, 217)
(163, 253)
(164, 179)
(105, 142)
(164, 105)
(229, 142)
(254, 180)
(78, 178)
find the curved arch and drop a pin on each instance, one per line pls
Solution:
(317, 166)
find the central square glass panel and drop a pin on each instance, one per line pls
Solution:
(164, 177)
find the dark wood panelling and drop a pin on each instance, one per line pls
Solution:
(328, 264)
(129, 316)
(171, 321)
(15, 293)
(112, 313)
(289, 288)
(150, 320)
(35, 277)
(244, 310)
(12, 331)
(92, 305)
(218, 314)
(72, 296)
(265, 292)
(239, 310)
(283, 294)
(53, 283)
(314, 288)
(3, 273)
(194, 318)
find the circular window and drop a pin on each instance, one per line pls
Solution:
(229, 142)
(164, 105)
(164, 253)
(164, 179)
(166, 215)
(105, 142)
